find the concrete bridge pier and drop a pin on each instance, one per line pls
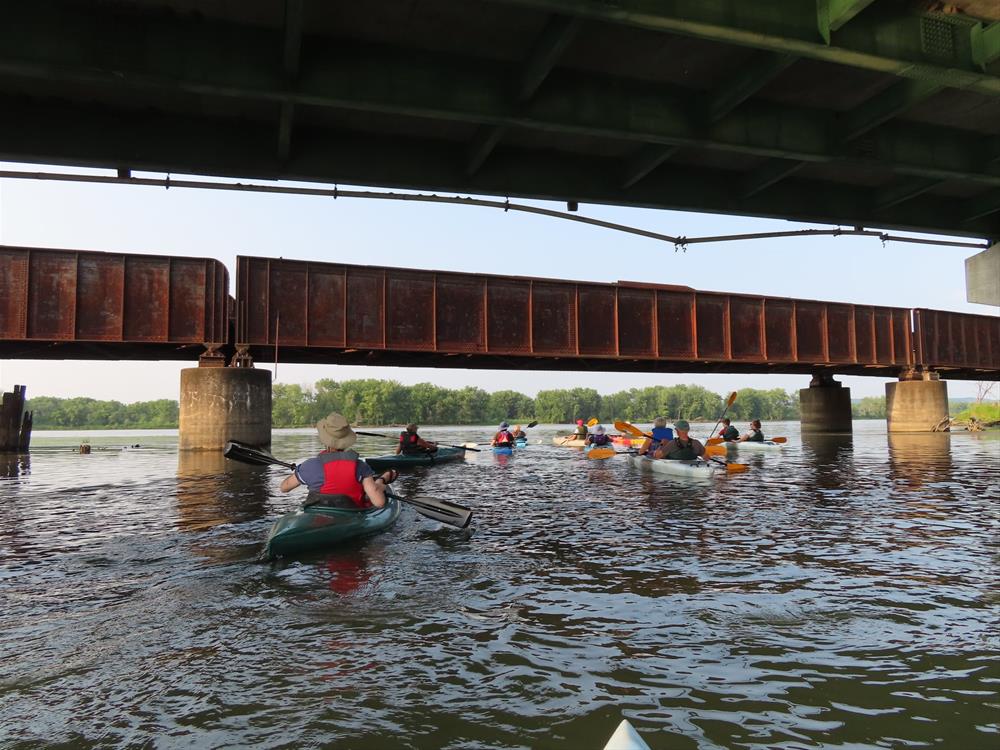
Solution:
(825, 406)
(917, 403)
(221, 403)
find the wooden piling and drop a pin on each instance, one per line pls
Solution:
(15, 422)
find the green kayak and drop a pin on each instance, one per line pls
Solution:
(318, 527)
(381, 463)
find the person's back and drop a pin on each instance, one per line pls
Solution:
(660, 435)
(338, 477)
(599, 438)
(503, 437)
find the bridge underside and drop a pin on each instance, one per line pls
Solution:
(858, 112)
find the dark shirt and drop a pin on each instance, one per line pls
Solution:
(731, 433)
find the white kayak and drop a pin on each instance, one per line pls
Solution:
(749, 445)
(697, 469)
(626, 738)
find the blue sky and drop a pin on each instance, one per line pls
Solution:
(223, 225)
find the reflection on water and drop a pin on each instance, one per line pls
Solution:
(841, 593)
(14, 464)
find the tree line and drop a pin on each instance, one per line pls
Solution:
(90, 414)
(388, 402)
(380, 402)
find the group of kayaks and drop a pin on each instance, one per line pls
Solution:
(320, 527)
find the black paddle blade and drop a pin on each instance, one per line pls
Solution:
(452, 514)
(249, 455)
(531, 424)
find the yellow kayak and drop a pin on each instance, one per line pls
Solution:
(569, 441)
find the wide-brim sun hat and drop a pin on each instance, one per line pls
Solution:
(682, 424)
(335, 432)
(504, 425)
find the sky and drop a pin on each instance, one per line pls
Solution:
(222, 225)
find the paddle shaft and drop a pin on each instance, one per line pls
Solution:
(729, 402)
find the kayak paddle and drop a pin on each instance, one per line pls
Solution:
(630, 429)
(390, 437)
(592, 421)
(597, 453)
(719, 441)
(531, 424)
(444, 511)
(729, 402)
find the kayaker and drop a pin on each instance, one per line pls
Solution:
(411, 444)
(581, 429)
(756, 434)
(728, 432)
(683, 447)
(518, 433)
(503, 437)
(598, 438)
(661, 434)
(338, 477)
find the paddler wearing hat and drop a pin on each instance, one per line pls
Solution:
(338, 477)
(683, 447)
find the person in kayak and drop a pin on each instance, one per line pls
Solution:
(728, 432)
(519, 434)
(756, 434)
(683, 447)
(581, 429)
(598, 438)
(337, 477)
(503, 437)
(411, 444)
(661, 434)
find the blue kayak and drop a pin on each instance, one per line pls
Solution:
(320, 527)
(521, 443)
(502, 450)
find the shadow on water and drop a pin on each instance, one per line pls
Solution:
(13, 465)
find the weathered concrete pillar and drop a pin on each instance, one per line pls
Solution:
(917, 403)
(825, 406)
(219, 404)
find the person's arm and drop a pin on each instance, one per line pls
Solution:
(289, 483)
(375, 490)
(699, 448)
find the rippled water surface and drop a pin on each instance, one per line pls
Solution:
(842, 594)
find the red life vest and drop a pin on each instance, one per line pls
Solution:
(503, 438)
(408, 443)
(340, 476)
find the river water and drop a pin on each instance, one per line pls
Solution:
(844, 593)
